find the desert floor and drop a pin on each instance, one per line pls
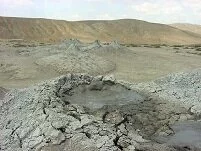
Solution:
(25, 64)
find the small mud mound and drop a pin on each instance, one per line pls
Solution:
(73, 47)
(72, 56)
(114, 48)
(72, 41)
(92, 46)
(115, 44)
(76, 63)
(76, 45)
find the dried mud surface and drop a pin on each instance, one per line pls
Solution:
(45, 117)
(99, 111)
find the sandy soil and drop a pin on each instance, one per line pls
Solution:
(21, 66)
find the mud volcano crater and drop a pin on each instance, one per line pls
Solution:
(98, 92)
(116, 103)
(79, 112)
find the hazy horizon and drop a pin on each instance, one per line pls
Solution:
(165, 12)
(100, 20)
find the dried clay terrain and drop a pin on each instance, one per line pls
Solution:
(119, 103)
(61, 94)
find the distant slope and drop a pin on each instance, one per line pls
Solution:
(125, 31)
(188, 27)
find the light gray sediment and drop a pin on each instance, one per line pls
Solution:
(183, 88)
(53, 116)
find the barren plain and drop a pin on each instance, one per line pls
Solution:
(25, 63)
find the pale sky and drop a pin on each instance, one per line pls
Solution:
(160, 11)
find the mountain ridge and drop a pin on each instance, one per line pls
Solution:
(122, 30)
(195, 28)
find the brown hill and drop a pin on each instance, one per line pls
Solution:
(125, 31)
(188, 27)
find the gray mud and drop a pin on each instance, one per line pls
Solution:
(51, 116)
(183, 88)
(42, 118)
(187, 134)
(95, 96)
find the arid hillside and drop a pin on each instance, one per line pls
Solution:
(188, 27)
(125, 31)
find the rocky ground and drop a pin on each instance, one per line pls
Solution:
(47, 116)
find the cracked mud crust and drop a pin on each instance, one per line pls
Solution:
(49, 117)
(183, 88)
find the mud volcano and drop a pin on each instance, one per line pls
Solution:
(78, 112)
